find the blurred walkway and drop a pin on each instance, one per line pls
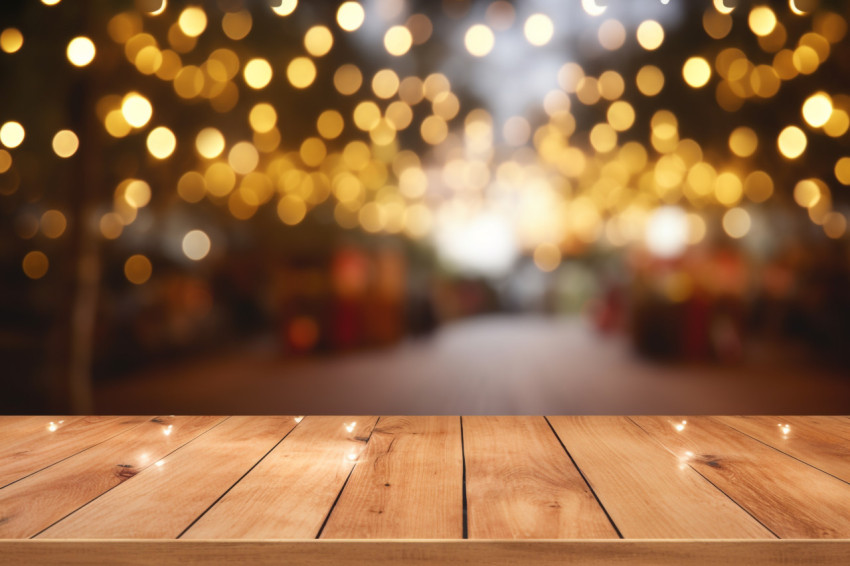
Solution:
(489, 365)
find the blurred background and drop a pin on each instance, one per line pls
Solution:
(411, 206)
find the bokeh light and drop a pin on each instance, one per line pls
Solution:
(80, 51)
(12, 134)
(479, 40)
(138, 269)
(792, 142)
(538, 29)
(11, 40)
(196, 245)
(35, 265)
(350, 16)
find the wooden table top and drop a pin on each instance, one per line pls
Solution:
(745, 479)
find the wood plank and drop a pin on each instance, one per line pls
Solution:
(822, 445)
(426, 553)
(647, 491)
(164, 499)
(289, 493)
(789, 497)
(34, 503)
(520, 483)
(409, 483)
(38, 442)
(14, 428)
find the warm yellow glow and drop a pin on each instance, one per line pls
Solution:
(547, 257)
(366, 115)
(116, 124)
(792, 142)
(5, 160)
(12, 134)
(243, 158)
(137, 269)
(720, 6)
(842, 170)
(257, 73)
(285, 8)
(621, 115)
(603, 138)
(398, 40)
(817, 109)
(479, 40)
(736, 222)
(743, 141)
(434, 130)
(262, 117)
(835, 225)
(11, 40)
(301, 72)
(716, 25)
(313, 151)
(350, 16)
(758, 186)
(237, 25)
(136, 109)
(807, 193)
(696, 72)
(191, 187)
(385, 83)
(111, 226)
(650, 80)
(318, 41)
(65, 143)
(446, 105)
(148, 60)
(348, 79)
(137, 193)
(538, 29)
(838, 123)
(330, 124)
(650, 35)
(35, 265)
(792, 5)
(50, 2)
(80, 51)
(53, 224)
(192, 21)
(291, 209)
(209, 143)
(196, 245)
(762, 20)
(728, 189)
(805, 60)
(219, 179)
(161, 142)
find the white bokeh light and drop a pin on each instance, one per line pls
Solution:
(667, 232)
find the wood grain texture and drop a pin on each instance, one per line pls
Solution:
(36, 502)
(824, 444)
(16, 429)
(520, 483)
(647, 491)
(37, 442)
(164, 499)
(408, 483)
(789, 497)
(289, 493)
(426, 553)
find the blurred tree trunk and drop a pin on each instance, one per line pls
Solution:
(71, 371)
